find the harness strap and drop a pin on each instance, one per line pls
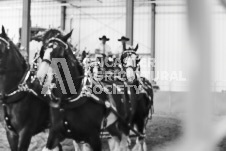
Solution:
(47, 61)
(8, 121)
(22, 88)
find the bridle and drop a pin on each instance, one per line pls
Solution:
(54, 39)
(66, 48)
(129, 56)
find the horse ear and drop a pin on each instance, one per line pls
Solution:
(3, 31)
(65, 38)
(136, 47)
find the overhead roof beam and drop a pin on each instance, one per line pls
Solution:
(63, 16)
(129, 20)
(26, 23)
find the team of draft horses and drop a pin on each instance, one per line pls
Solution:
(59, 96)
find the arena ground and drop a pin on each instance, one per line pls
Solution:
(161, 130)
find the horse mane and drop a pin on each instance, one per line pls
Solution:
(54, 32)
(74, 59)
(15, 48)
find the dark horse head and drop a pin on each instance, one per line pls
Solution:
(130, 60)
(12, 64)
(46, 36)
(80, 122)
(25, 114)
(55, 50)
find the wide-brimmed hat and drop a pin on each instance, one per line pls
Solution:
(104, 38)
(123, 39)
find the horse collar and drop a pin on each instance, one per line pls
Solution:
(7, 120)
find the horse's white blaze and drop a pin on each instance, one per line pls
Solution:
(95, 71)
(44, 66)
(48, 80)
(131, 61)
(130, 74)
(47, 53)
(42, 70)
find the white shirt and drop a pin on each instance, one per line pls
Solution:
(106, 49)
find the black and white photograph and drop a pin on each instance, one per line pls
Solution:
(112, 75)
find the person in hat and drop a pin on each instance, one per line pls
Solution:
(123, 46)
(103, 47)
(102, 51)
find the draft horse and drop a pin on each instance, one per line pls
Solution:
(25, 114)
(81, 115)
(144, 96)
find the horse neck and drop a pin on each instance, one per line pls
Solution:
(76, 75)
(16, 68)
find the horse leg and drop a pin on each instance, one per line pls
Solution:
(24, 139)
(52, 142)
(114, 143)
(144, 145)
(12, 139)
(85, 147)
(76, 146)
(59, 148)
(124, 143)
(140, 145)
(140, 142)
(95, 142)
(111, 144)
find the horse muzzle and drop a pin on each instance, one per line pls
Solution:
(130, 74)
